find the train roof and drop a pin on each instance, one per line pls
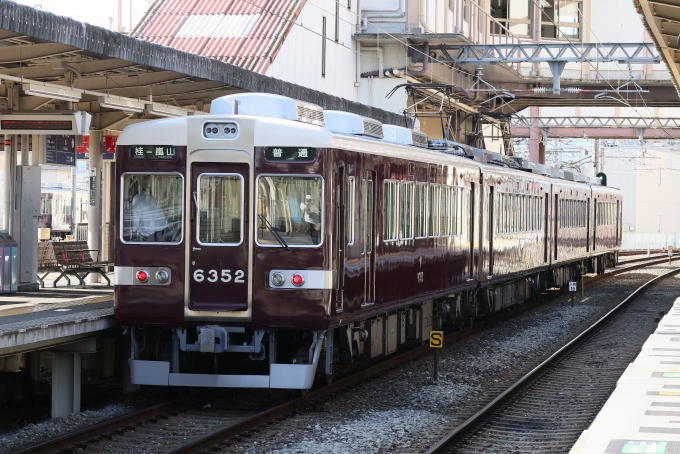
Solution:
(275, 116)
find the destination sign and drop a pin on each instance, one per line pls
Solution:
(152, 152)
(300, 154)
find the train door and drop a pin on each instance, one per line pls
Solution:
(588, 225)
(491, 228)
(340, 239)
(219, 237)
(471, 231)
(368, 234)
(594, 223)
(556, 225)
(546, 227)
(618, 226)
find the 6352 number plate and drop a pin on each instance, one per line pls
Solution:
(214, 276)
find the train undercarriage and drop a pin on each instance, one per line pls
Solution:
(232, 356)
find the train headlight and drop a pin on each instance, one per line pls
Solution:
(278, 279)
(297, 279)
(142, 276)
(162, 276)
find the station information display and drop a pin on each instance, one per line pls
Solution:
(60, 150)
(36, 125)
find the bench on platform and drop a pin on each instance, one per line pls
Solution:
(47, 262)
(75, 259)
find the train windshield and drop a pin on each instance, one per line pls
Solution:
(292, 207)
(220, 199)
(152, 208)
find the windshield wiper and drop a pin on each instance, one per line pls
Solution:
(274, 232)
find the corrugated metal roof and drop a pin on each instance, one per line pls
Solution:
(246, 33)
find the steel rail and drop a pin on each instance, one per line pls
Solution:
(104, 427)
(492, 406)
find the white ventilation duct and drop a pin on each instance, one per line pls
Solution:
(268, 105)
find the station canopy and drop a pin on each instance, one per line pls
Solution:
(53, 62)
(662, 20)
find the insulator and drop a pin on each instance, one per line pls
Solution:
(573, 90)
(540, 90)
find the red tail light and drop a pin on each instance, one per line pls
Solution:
(142, 276)
(297, 279)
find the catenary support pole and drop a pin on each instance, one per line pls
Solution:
(94, 220)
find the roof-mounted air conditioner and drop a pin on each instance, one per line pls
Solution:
(268, 105)
(556, 173)
(569, 175)
(349, 123)
(397, 134)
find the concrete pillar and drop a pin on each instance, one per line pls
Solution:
(534, 135)
(37, 149)
(10, 169)
(9, 180)
(94, 217)
(65, 384)
(541, 152)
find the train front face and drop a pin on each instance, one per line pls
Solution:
(219, 242)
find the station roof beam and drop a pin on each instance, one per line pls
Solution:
(599, 127)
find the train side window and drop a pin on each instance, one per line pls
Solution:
(390, 210)
(152, 208)
(406, 209)
(506, 215)
(434, 206)
(457, 211)
(421, 210)
(499, 212)
(366, 216)
(445, 211)
(513, 212)
(350, 210)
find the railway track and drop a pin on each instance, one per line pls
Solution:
(180, 426)
(548, 408)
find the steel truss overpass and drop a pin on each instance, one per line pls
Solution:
(598, 127)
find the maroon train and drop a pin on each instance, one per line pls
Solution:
(261, 244)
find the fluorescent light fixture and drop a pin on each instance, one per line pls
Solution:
(52, 91)
(120, 103)
(164, 110)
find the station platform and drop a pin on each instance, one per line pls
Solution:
(643, 413)
(53, 316)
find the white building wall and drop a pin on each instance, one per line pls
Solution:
(299, 59)
(620, 166)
